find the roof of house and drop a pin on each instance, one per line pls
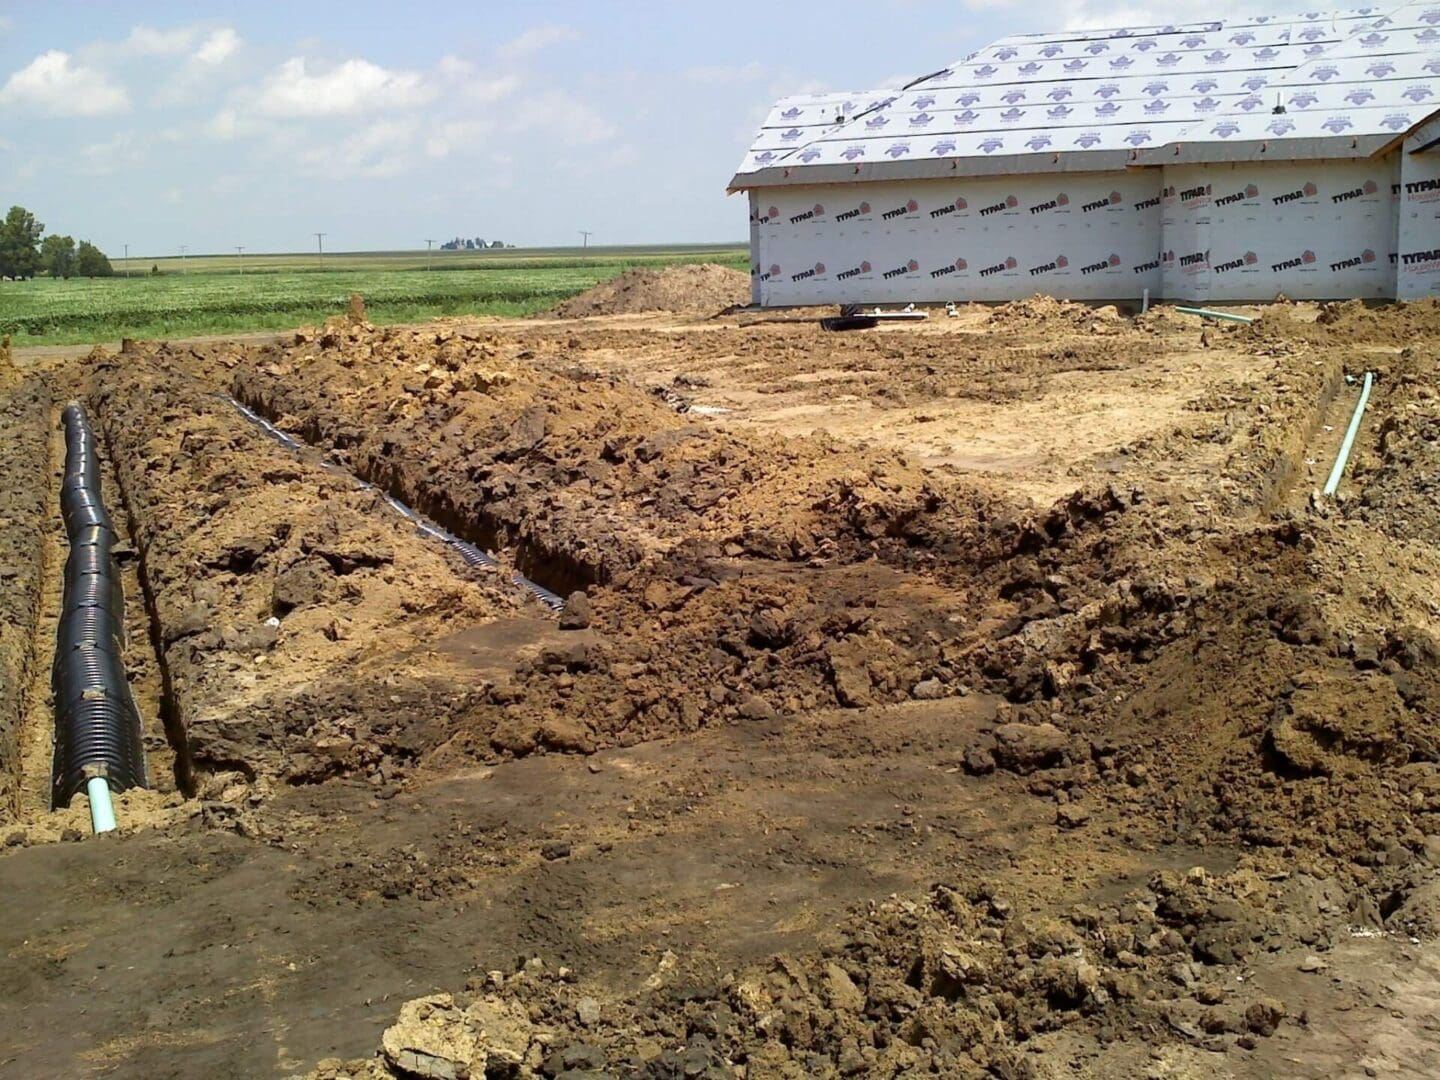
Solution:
(1318, 85)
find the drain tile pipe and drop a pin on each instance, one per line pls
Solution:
(1206, 313)
(469, 553)
(102, 809)
(98, 743)
(1333, 484)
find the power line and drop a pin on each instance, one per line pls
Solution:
(320, 245)
(240, 251)
(585, 235)
(429, 249)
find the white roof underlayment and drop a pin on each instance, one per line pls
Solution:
(1317, 85)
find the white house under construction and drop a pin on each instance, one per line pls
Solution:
(1217, 161)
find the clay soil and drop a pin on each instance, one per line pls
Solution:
(988, 696)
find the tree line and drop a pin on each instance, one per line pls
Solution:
(465, 243)
(23, 254)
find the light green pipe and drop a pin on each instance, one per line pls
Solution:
(102, 810)
(1344, 456)
(1206, 313)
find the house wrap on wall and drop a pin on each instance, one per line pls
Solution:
(1219, 161)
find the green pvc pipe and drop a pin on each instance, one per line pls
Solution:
(1206, 313)
(1344, 455)
(102, 810)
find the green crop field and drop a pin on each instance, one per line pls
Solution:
(223, 294)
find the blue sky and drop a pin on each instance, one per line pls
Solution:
(382, 124)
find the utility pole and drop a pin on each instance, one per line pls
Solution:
(585, 238)
(183, 249)
(320, 245)
(240, 251)
(127, 260)
(429, 249)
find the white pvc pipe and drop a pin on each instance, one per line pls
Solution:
(102, 810)
(1339, 470)
(1144, 301)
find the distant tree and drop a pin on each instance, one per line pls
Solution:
(57, 255)
(155, 269)
(90, 261)
(497, 243)
(19, 244)
(479, 243)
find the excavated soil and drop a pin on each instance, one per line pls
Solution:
(856, 751)
(24, 456)
(702, 289)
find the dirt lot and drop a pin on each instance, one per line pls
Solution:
(989, 696)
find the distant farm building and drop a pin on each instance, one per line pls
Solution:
(1215, 161)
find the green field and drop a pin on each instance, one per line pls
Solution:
(225, 294)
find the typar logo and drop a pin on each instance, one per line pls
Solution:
(1249, 259)
(950, 208)
(957, 267)
(1421, 262)
(815, 271)
(806, 215)
(1000, 267)
(911, 207)
(854, 271)
(1250, 192)
(1113, 199)
(1195, 262)
(1303, 260)
(1307, 191)
(1060, 262)
(910, 267)
(1422, 190)
(1110, 263)
(1194, 196)
(1365, 258)
(1010, 202)
(861, 211)
(1061, 200)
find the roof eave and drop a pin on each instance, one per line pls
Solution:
(1328, 147)
(936, 169)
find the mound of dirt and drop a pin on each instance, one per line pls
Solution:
(701, 289)
(1046, 310)
(1345, 322)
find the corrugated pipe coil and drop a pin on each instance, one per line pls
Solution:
(97, 726)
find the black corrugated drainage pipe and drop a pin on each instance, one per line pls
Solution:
(98, 744)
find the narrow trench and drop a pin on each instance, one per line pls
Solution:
(1283, 483)
(146, 666)
(546, 576)
(37, 739)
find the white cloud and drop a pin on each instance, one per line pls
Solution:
(534, 40)
(123, 150)
(383, 148)
(464, 78)
(354, 86)
(725, 74)
(218, 46)
(223, 125)
(147, 41)
(53, 84)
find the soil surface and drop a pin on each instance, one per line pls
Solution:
(988, 696)
(699, 289)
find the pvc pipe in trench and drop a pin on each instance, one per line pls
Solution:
(1206, 313)
(102, 810)
(1339, 470)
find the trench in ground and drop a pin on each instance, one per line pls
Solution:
(167, 745)
(553, 571)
